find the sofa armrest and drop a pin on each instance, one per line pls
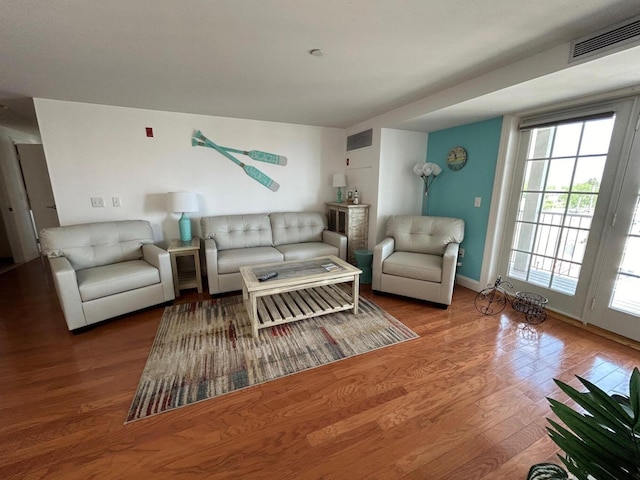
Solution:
(381, 251)
(449, 264)
(66, 283)
(337, 240)
(160, 259)
(211, 259)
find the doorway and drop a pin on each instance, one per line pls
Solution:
(613, 302)
(572, 231)
(37, 182)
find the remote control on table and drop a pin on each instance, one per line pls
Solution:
(267, 276)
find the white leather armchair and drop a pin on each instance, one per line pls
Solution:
(102, 270)
(418, 257)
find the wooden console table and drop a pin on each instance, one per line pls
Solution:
(353, 222)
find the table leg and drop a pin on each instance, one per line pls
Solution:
(356, 292)
(253, 315)
(196, 260)
(174, 272)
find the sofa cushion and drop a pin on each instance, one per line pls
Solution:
(238, 231)
(424, 234)
(230, 261)
(98, 282)
(418, 266)
(297, 227)
(95, 244)
(302, 251)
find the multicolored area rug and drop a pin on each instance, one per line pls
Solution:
(205, 349)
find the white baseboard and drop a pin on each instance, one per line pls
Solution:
(469, 283)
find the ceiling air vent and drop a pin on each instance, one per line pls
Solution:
(360, 140)
(625, 34)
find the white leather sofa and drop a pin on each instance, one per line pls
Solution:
(418, 257)
(103, 270)
(233, 241)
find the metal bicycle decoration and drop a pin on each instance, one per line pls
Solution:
(494, 298)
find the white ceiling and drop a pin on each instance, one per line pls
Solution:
(250, 58)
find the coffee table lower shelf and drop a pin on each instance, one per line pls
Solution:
(285, 307)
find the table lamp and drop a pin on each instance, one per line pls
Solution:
(183, 202)
(339, 181)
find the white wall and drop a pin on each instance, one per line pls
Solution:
(400, 190)
(98, 150)
(384, 177)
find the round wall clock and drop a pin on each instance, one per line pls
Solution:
(457, 158)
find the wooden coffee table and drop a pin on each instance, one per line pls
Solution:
(302, 289)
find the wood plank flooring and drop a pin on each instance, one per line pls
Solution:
(464, 401)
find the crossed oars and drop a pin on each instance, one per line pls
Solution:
(198, 139)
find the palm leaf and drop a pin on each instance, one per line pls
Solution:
(606, 401)
(604, 442)
(614, 418)
(585, 458)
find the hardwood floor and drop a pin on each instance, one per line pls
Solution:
(464, 401)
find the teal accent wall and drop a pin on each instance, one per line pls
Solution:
(453, 192)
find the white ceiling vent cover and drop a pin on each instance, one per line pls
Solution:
(616, 37)
(360, 140)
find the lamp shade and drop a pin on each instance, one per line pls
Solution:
(182, 202)
(339, 180)
(435, 169)
(426, 169)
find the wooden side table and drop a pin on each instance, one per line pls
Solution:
(185, 278)
(353, 222)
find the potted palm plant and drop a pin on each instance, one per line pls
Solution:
(602, 442)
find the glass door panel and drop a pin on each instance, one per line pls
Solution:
(563, 172)
(614, 299)
(565, 181)
(626, 289)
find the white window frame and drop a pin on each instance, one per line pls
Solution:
(513, 171)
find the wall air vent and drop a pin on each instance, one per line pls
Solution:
(616, 37)
(360, 140)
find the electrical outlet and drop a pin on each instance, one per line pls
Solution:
(461, 253)
(477, 202)
(116, 201)
(97, 202)
(459, 264)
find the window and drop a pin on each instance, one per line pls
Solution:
(627, 283)
(564, 166)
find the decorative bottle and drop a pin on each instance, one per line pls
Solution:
(356, 197)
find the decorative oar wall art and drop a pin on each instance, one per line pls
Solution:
(199, 140)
